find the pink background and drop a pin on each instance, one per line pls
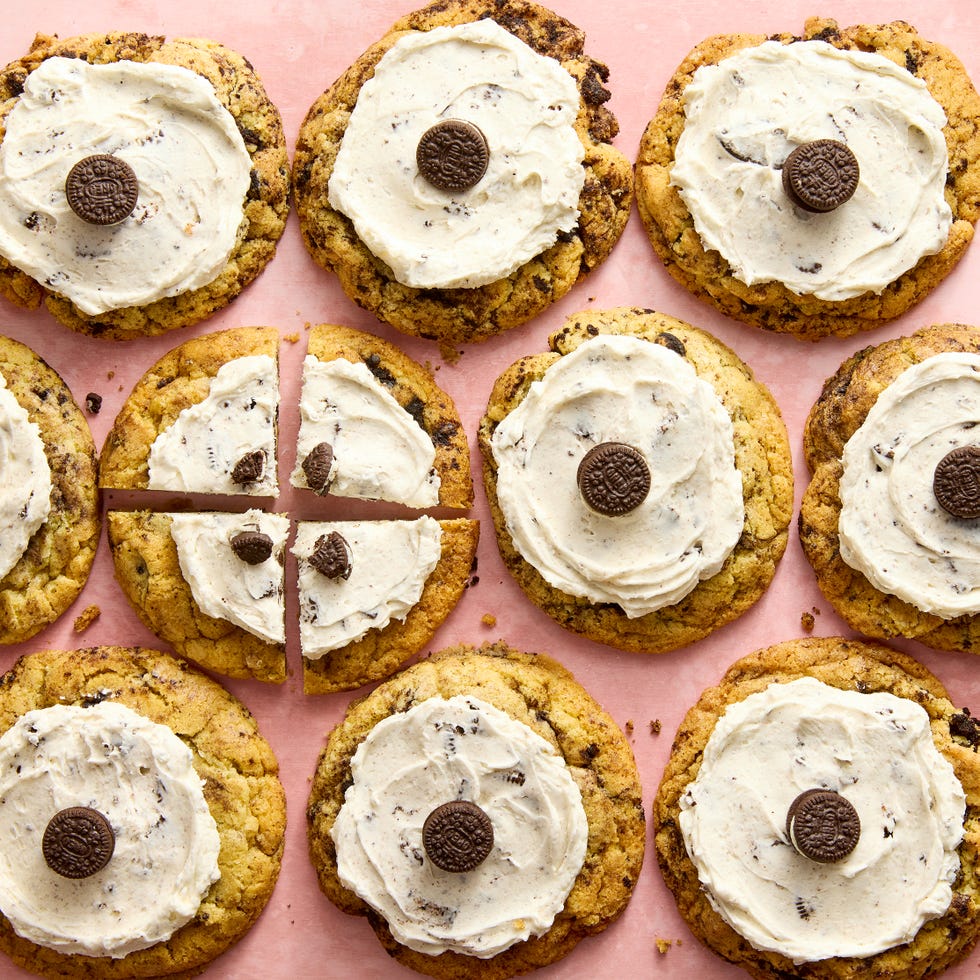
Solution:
(299, 47)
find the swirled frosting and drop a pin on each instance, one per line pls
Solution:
(140, 776)
(876, 750)
(627, 390)
(25, 480)
(891, 527)
(189, 159)
(525, 104)
(460, 748)
(746, 114)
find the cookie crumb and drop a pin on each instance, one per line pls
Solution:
(488, 619)
(807, 622)
(655, 726)
(663, 945)
(110, 375)
(449, 353)
(86, 617)
(291, 338)
(93, 403)
(629, 727)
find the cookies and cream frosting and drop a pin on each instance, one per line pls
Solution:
(460, 748)
(140, 776)
(891, 527)
(525, 104)
(389, 563)
(225, 586)
(627, 390)
(379, 450)
(743, 117)
(876, 750)
(25, 480)
(189, 159)
(198, 451)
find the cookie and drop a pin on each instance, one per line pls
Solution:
(233, 445)
(849, 672)
(533, 692)
(861, 589)
(149, 570)
(248, 207)
(437, 304)
(241, 789)
(805, 286)
(360, 443)
(663, 387)
(379, 652)
(47, 569)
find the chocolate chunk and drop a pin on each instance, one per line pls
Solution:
(250, 468)
(821, 176)
(102, 189)
(956, 482)
(331, 556)
(671, 342)
(822, 825)
(613, 478)
(77, 842)
(452, 155)
(457, 836)
(316, 466)
(253, 547)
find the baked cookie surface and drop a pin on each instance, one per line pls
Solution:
(239, 89)
(242, 791)
(465, 314)
(843, 406)
(537, 691)
(50, 574)
(771, 305)
(761, 457)
(854, 667)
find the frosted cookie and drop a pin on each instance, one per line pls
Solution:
(101, 731)
(143, 182)
(487, 766)
(637, 426)
(209, 584)
(889, 521)
(374, 425)
(202, 419)
(492, 204)
(49, 499)
(871, 875)
(772, 191)
(373, 593)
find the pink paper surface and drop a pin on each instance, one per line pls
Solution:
(299, 47)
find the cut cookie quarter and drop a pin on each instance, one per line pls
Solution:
(130, 142)
(827, 213)
(637, 425)
(496, 204)
(49, 499)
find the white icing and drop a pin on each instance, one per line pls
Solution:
(461, 748)
(189, 159)
(140, 776)
(627, 390)
(876, 750)
(746, 114)
(525, 104)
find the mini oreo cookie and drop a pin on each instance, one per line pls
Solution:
(102, 189)
(331, 556)
(613, 478)
(821, 175)
(822, 825)
(956, 482)
(78, 842)
(253, 547)
(249, 468)
(457, 836)
(316, 467)
(453, 155)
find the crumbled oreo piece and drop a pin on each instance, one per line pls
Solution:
(453, 155)
(250, 468)
(317, 465)
(93, 403)
(822, 825)
(253, 547)
(78, 842)
(965, 726)
(102, 189)
(457, 836)
(331, 556)
(956, 482)
(821, 175)
(613, 478)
